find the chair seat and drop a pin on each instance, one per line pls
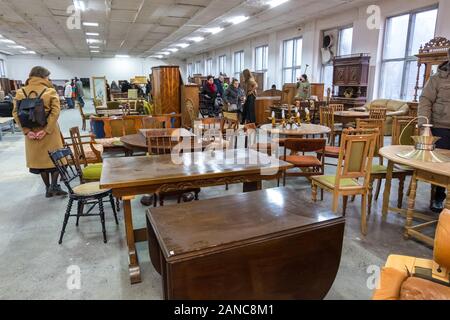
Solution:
(379, 169)
(303, 161)
(89, 153)
(92, 171)
(89, 189)
(109, 142)
(330, 181)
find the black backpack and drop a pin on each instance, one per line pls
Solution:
(31, 111)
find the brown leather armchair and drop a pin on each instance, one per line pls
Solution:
(431, 277)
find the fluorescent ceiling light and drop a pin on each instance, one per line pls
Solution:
(94, 47)
(173, 49)
(90, 24)
(79, 5)
(95, 51)
(92, 34)
(182, 45)
(157, 56)
(17, 47)
(275, 3)
(197, 39)
(28, 52)
(7, 41)
(92, 40)
(164, 53)
(214, 30)
(122, 56)
(237, 19)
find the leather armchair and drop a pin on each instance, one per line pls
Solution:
(431, 280)
(394, 108)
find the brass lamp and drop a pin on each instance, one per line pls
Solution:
(425, 148)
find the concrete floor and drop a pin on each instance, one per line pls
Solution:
(34, 266)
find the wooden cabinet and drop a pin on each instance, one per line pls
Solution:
(351, 79)
(166, 89)
(262, 108)
(189, 92)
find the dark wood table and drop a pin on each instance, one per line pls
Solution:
(129, 177)
(254, 246)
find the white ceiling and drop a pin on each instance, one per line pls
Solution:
(145, 27)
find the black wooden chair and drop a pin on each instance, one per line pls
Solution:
(86, 194)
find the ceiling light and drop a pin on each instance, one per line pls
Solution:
(214, 30)
(122, 56)
(157, 56)
(275, 3)
(92, 34)
(92, 40)
(94, 47)
(28, 52)
(182, 45)
(237, 19)
(90, 24)
(95, 51)
(17, 47)
(164, 53)
(79, 5)
(197, 39)
(7, 41)
(173, 49)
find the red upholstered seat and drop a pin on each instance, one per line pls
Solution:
(303, 161)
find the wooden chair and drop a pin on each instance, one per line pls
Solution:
(84, 117)
(190, 111)
(252, 140)
(378, 113)
(326, 117)
(85, 151)
(85, 194)
(379, 172)
(159, 143)
(407, 126)
(354, 163)
(156, 122)
(309, 165)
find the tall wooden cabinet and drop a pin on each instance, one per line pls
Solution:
(166, 89)
(351, 79)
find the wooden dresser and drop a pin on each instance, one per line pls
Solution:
(262, 108)
(259, 245)
(166, 86)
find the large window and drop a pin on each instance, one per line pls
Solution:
(189, 70)
(222, 64)
(292, 60)
(198, 67)
(238, 63)
(402, 40)
(209, 67)
(262, 61)
(344, 47)
(2, 69)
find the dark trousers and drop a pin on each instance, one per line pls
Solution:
(443, 143)
(81, 101)
(70, 103)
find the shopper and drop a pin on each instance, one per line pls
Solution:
(80, 92)
(68, 95)
(250, 85)
(39, 140)
(210, 93)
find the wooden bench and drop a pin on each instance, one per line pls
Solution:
(260, 245)
(6, 122)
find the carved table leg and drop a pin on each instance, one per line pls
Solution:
(411, 204)
(387, 189)
(133, 267)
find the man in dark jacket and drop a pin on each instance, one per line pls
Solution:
(219, 82)
(435, 105)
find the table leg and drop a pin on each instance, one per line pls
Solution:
(387, 189)
(252, 186)
(133, 266)
(411, 204)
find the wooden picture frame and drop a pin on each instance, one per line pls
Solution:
(99, 89)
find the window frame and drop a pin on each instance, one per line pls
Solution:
(241, 53)
(190, 69)
(2, 69)
(209, 67)
(406, 59)
(197, 67)
(265, 61)
(295, 66)
(222, 59)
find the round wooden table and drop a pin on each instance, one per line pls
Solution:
(305, 129)
(434, 173)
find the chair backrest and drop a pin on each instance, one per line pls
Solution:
(160, 142)
(190, 112)
(337, 107)
(407, 126)
(113, 105)
(67, 166)
(229, 124)
(231, 115)
(364, 124)
(156, 122)
(356, 154)
(113, 127)
(377, 113)
(77, 143)
(327, 117)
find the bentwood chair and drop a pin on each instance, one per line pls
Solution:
(85, 194)
(84, 117)
(354, 165)
(159, 143)
(379, 171)
(309, 165)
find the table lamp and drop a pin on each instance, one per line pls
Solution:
(425, 146)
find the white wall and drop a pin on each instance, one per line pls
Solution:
(5, 59)
(364, 40)
(67, 68)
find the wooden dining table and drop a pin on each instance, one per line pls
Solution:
(305, 129)
(129, 177)
(434, 173)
